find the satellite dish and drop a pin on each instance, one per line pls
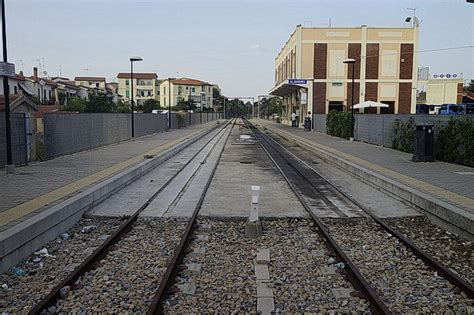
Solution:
(45, 72)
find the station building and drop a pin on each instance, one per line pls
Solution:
(310, 74)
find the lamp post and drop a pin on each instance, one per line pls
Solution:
(132, 59)
(352, 61)
(9, 167)
(169, 103)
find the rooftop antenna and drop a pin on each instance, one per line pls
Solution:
(415, 20)
(330, 22)
(39, 64)
(20, 61)
(87, 71)
(308, 22)
(60, 72)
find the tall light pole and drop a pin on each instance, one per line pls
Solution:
(169, 103)
(7, 69)
(352, 61)
(132, 59)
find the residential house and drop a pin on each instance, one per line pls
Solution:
(184, 89)
(91, 82)
(145, 86)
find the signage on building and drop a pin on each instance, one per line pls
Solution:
(447, 76)
(297, 81)
(7, 69)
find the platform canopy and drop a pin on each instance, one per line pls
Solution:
(368, 104)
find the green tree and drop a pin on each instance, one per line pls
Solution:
(185, 105)
(76, 104)
(100, 103)
(149, 105)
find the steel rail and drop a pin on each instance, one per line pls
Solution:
(156, 306)
(103, 249)
(420, 253)
(354, 275)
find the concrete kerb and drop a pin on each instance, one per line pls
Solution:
(27, 236)
(450, 217)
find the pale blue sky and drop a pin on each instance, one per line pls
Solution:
(231, 43)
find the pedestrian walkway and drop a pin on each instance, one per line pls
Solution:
(39, 185)
(451, 183)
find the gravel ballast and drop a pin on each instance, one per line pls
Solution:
(402, 280)
(453, 251)
(49, 267)
(227, 282)
(127, 278)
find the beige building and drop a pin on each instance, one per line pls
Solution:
(145, 86)
(184, 89)
(90, 82)
(442, 91)
(310, 74)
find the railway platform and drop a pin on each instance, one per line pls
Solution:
(58, 191)
(442, 190)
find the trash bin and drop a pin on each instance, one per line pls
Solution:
(423, 144)
(307, 124)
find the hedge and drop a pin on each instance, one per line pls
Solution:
(453, 143)
(339, 124)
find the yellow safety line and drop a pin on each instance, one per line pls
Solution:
(32, 205)
(410, 181)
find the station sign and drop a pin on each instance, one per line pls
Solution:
(297, 81)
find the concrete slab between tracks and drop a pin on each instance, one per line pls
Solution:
(452, 211)
(21, 239)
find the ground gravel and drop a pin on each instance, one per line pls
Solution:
(227, 281)
(127, 278)
(20, 293)
(453, 251)
(404, 282)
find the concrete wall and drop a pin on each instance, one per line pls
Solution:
(67, 133)
(378, 129)
(18, 136)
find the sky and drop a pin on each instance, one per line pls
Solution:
(227, 42)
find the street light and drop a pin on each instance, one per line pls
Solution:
(132, 59)
(352, 61)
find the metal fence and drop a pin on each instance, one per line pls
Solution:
(18, 137)
(378, 129)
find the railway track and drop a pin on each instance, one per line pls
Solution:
(372, 236)
(131, 228)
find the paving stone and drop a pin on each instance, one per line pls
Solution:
(328, 271)
(263, 290)
(193, 268)
(318, 253)
(199, 251)
(261, 272)
(341, 293)
(187, 288)
(265, 305)
(202, 237)
(263, 256)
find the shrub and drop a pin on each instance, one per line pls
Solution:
(403, 134)
(339, 124)
(455, 142)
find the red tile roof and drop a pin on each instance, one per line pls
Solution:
(126, 75)
(48, 82)
(186, 81)
(89, 79)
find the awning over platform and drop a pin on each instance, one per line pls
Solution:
(287, 87)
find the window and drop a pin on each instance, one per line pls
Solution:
(127, 82)
(337, 106)
(149, 93)
(44, 94)
(50, 94)
(193, 90)
(388, 110)
(97, 85)
(180, 89)
(127, 93)
(15, 90)
(39, 93)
